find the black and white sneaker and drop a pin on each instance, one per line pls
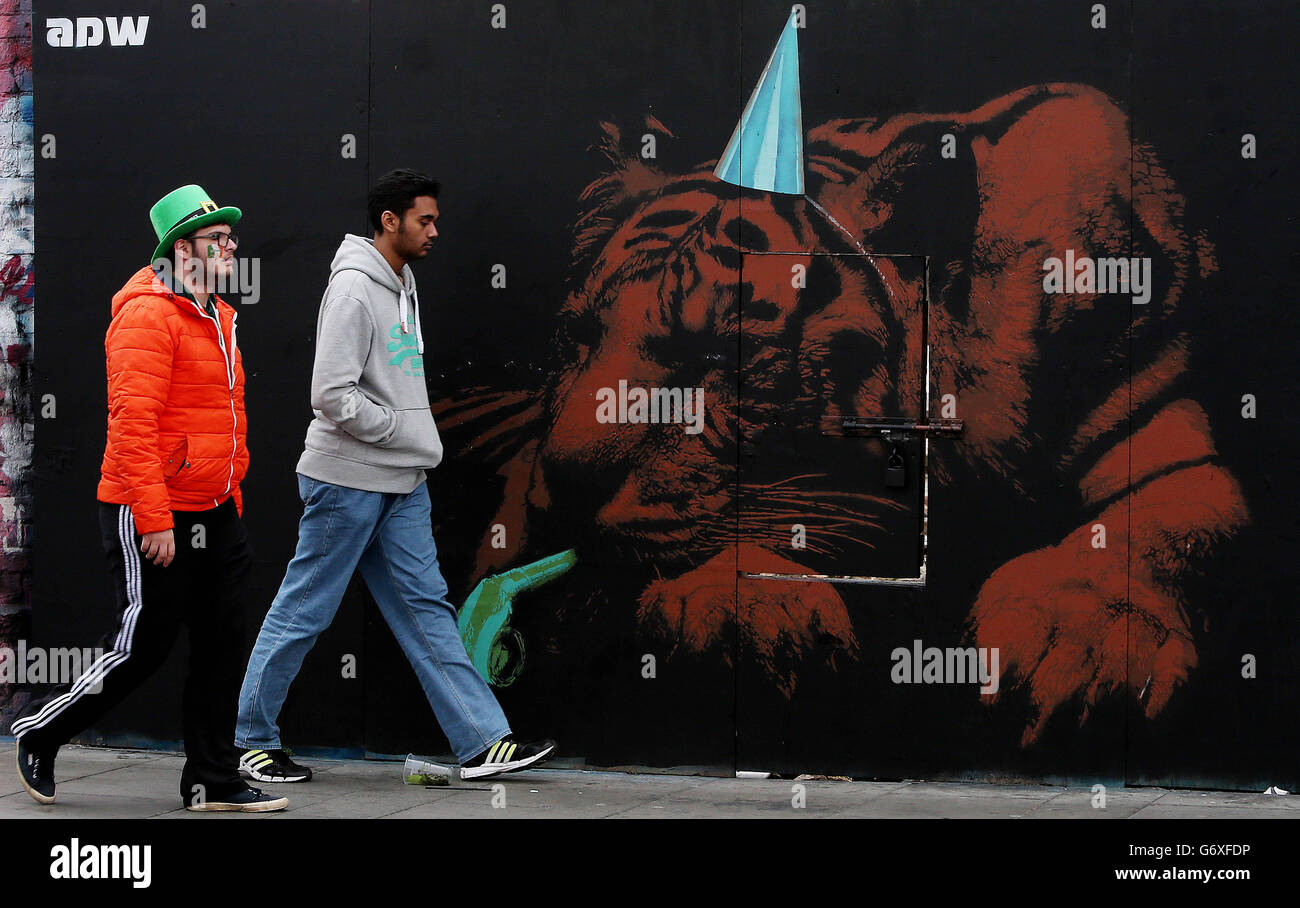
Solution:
(272, 766)
(250, 800)
(507, 755)
(36, 772)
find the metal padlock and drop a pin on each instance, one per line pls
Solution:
(895, 471)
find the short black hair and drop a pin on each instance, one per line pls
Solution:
(397, 191)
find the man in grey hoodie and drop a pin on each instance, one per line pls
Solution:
(365, 503)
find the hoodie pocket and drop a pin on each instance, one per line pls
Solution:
(414, 442)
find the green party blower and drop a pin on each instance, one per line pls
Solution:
(496, 650)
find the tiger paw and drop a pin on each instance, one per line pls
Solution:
(1070, 627)
(780, 623)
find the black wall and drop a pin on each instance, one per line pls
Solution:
(254, 106)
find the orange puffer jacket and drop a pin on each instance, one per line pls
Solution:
(176, 428)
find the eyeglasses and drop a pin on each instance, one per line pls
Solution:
(223, 239)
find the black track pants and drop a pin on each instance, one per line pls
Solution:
(201, 589)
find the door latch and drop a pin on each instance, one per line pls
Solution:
(895, 470)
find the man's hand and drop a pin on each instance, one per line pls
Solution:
(160, 548)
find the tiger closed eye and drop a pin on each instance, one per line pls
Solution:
(762, 310)
(683, 350)
(584, 328)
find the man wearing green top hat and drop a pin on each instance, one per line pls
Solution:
(179, 226)
(169, 509)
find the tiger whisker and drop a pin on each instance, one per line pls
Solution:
(769, 514)
(850, 498)
(781, 482)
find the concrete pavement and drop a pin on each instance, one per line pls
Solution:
(112, 783)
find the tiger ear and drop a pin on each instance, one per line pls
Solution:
(652, 123)
(618, 149)
(610, 145)
(611, 197)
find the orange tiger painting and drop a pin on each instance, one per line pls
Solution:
(1056, 443)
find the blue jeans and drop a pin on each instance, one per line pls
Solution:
(389, 537)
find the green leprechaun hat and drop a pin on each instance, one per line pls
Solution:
(183, 211)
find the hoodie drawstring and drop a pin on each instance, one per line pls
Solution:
(419, 338)
(402, 311)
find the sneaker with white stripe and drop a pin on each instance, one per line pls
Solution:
(507, 755)
(272, 765)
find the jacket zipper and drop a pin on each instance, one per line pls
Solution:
(229, 359)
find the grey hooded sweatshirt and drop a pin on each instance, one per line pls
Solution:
(373, 429)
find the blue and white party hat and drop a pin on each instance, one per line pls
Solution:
(766, 150)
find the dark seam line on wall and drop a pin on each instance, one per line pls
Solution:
(370, 91)
(737, 655)
(1129, 716)
(370, 115)
(923, 542)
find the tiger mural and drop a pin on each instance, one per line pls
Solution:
(1060, 442)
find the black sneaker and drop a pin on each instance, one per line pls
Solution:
(272, 766)
(250, 800)
(36, 772)
(507, 755)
